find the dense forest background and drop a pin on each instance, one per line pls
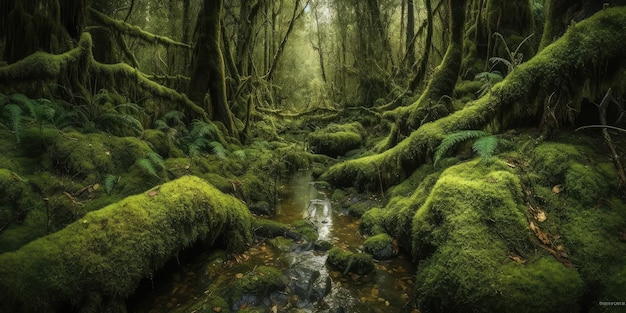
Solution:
(104, 99)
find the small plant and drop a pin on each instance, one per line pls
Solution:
(204, 137)
(512, 59)
(484, 146)
(14, 109)
(150, 163)
(109, 182)
(489, 79)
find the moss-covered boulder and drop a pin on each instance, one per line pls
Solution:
(350, 262)
(467, 235)
(381, 247)
(335, 140)
(250, 288)
(99, 260)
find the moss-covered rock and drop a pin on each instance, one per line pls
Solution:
(381, 247)
(306, 229)
(106, 253)
(464, 234)
(346, 261)
(252, 286)
(335, 140)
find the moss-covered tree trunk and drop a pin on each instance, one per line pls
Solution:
(207, 73)
(583, 63)
(434, 101)
(562, 13)
(99, 260)
(28, 26)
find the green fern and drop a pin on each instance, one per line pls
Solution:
(109, 182)
(174, 118)
(14, 113)
(484, 148)
(147, 166)
(203, 129)
(218, 149)
(155, 158)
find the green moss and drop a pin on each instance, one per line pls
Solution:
(335, 140)
(372, 222)
(591, 236)
(22, 212)
(306, 229)
(108, 251)
(261, 281)
(381, 246)
(463, 234)
(338, 195)
(347, 261)
(90, 155)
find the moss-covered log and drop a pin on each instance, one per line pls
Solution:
(585, 62)
(99, 260)
(134, 31)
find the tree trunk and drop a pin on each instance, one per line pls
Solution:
(410, 31)
(433, 103)
(51, 26)
(208, 66)
(421, 69)
(297, 12)
(567, 67)
(561, 13)
(319, 48)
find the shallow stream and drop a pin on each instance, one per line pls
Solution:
(387, 289)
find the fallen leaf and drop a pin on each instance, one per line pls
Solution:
(153, 193)
(239, 275)
(542, 236)
(217, 309)
(274, 309)
(541, 216)
(557, 188)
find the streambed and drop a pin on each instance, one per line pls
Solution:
(313, 285)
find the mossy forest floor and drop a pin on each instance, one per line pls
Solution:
(89, 211)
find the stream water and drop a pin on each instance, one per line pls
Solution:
(387, 289)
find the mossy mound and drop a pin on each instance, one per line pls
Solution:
(18, 201)
(466, 232)
(335, 140)
(89, 156)
(346, 261)
(99, 260)
(381, 247)
(253, 286)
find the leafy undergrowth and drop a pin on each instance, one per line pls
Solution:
(539, 228)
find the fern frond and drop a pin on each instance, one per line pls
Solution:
(485, 146)
(201, 129)
(155, 158)
(109, 183)
(452, 139)
(147, 166)
(15, 117)
(174, 117)
(161, 125)
(217, 149)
